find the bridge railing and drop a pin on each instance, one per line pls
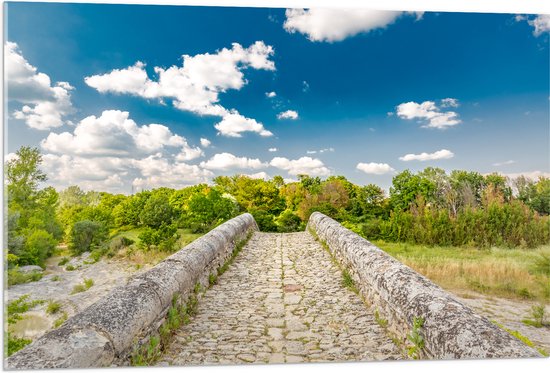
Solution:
(105, 332)
(450, 330)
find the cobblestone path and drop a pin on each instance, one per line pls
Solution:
(282, 300)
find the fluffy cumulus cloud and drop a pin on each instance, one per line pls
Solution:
(115, 134)
(270, 94)
(205, 143)
(197, 84)
(332, 25)
(430, 113)
(112, 152)
(440, 154)
(272, 150)
(233, 124)
(45, 106)
(375, 168)
(228, 161)
(289, 114)
(303, 166)
(157, 170)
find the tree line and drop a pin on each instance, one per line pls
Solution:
(429, 207)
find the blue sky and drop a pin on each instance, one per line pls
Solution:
(363, 94)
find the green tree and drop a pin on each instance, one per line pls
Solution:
(87, 235)
(23, 176)
(157, 210)
(39, 245)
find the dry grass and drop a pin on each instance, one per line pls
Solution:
(501, 272)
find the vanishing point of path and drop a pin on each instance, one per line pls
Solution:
(282, 300)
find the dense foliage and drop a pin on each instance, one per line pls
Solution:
(429, 207)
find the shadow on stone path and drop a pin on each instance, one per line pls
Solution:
(282, 300)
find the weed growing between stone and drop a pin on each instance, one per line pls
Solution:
(416, 338)
(64, 316)
(235, 252)
(381, 321)
(521, 337)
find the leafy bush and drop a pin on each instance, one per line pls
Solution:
(86, 235)
(39, 244)
(289, 222)
(265, 220)
(163, 238)
(15, 344)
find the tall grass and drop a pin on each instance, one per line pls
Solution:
(511, 273)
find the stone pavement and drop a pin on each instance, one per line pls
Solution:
(282, 300)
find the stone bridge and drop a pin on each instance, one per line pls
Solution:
(325, 294)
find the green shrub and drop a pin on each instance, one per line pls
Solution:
(86, 235)
(289, 222)
(163, 238)
(265, 220)
(15, 344)
(63, 261)
(39, 245)
(70, 268)
(15, 277)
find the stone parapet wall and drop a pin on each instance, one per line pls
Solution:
(105, 332)
(400, 295)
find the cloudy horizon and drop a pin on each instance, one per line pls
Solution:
(364, 94)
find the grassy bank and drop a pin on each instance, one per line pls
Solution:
(509, 273)
(151, 257)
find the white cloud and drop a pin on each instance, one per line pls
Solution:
(233, 124)
(505, 163)
(271, 94)
(115, 134)
(259, 175)
(196, 85)
(540, 23)
(325, 150)
(533, 175)
(156, 171)
(440, 154)
(44, 106)
(305, 86)
(228, 161)
(430, 113)
(205, 143)
(272, 150)
(450, 102)
(322, 24)
(375, 168)
(304, 165)
(289, 114)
